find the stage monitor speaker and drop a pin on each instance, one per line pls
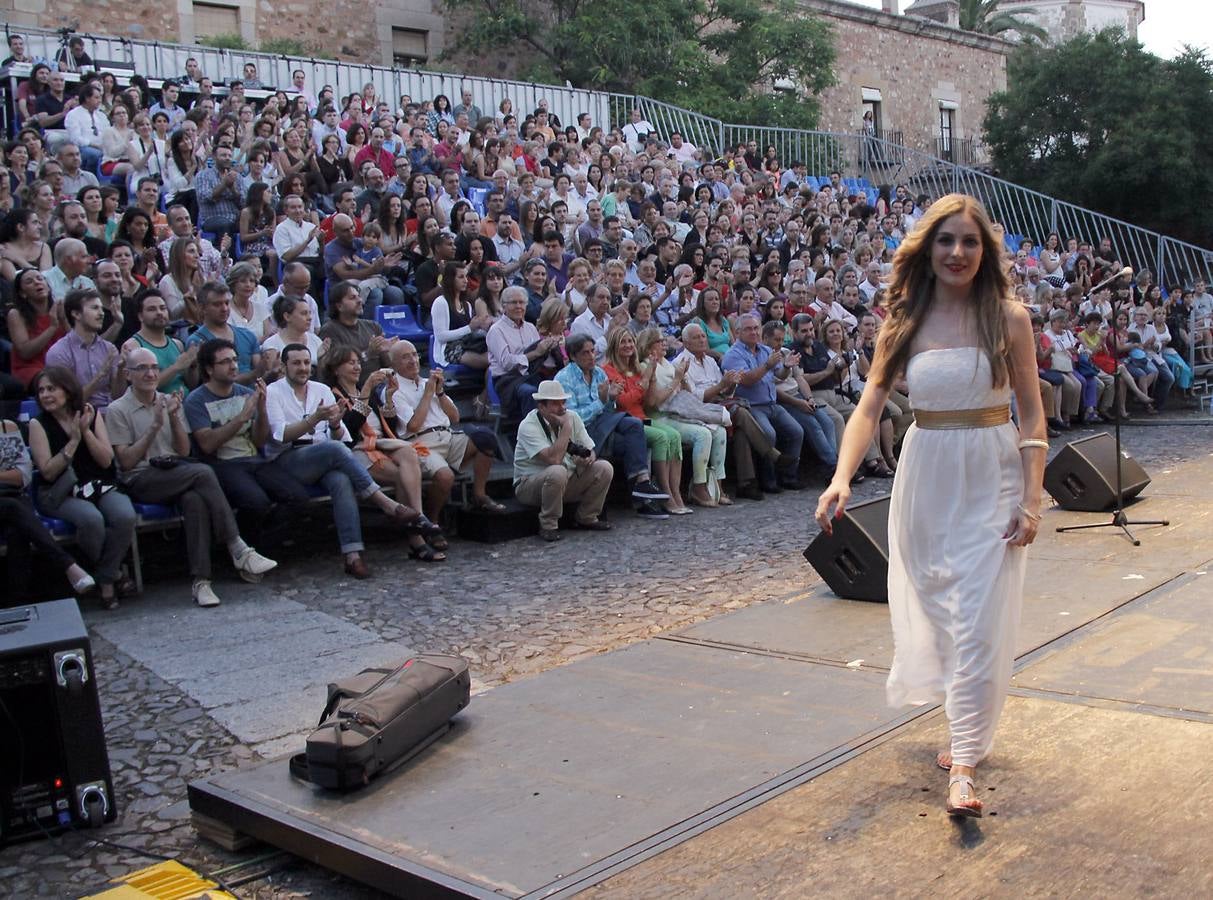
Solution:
(854, 560)
(1083, 475)
(54, 767)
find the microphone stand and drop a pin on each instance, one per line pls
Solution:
(1119, 519)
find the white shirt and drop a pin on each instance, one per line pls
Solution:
(275, 342)
(508, 250)
(507, 345)
(440, 318)
(701, 374)
(685, 153)
(868, 289)
(284, 408)
(595, 328)
(408, 398)
(288, 235)
(260, 311)
(84, 128)
(636, 133)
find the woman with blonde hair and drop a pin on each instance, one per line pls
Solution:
(638, 386)
(966, 498)
(180, 285)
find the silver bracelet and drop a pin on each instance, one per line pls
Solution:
(1035, 517)
(1033, 442)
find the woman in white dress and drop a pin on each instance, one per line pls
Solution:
(966, 499)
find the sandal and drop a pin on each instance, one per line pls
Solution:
(879, 469)
(943, 760)
(438, 540)
(110, 603)
(488, 504)
(125, 587)
(966, 804)
(725, 500)
(426, 553)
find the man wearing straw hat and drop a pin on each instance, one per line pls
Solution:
(554, 461)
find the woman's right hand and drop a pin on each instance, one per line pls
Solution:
(836, 495)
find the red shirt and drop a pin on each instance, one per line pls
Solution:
(383, 160)
(326, 227)
(631, 399)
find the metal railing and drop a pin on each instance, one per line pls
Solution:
(876, 159)
(155, 59)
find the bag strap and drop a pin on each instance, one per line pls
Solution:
(299, 767)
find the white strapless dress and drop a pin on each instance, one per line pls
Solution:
(955, 586)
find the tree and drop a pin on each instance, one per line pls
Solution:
(1103, 124)
(984, 17)
(719, 58)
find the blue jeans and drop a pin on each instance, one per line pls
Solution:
(781, 430)
(90, 159)
(331, 464)
(629, 441)
(1162, 386)
(818, 427)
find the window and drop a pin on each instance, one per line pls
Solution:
(947, 122)
(211, 19)
(409, 47)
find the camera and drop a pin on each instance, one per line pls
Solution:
(577, 450)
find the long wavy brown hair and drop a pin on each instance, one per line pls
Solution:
(911, 292)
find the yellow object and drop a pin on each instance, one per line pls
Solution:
(164, 881)
(986, 417)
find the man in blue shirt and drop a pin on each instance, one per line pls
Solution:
(215, 298)
(592, 397)
(758, 364)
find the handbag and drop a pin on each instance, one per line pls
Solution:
(686, 406)
(1086, 368)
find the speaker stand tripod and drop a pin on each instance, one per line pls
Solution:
(1119, 519)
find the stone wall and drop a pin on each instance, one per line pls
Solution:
(914, 64)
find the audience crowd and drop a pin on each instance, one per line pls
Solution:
(191, 286)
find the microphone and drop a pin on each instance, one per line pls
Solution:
(1126, 272)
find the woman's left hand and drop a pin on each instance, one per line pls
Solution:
(1021, 530)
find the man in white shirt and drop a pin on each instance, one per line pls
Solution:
(871, 283)
(596, 319)
(637, 131)
(429, 415)
(298, 240)
(514, 343)
(681, 150)
(327, 125)
(85, 125)
(826, 303)
(510, 250)
(306, 435)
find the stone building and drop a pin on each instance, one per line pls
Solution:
(1064, 19)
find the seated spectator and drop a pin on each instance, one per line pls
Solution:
(711, 385)
(21, 527)
(183, 280)
(82, 351)
(147, 425)
(308, 438)
(212, 262)
(426, 278)
(697, 424)
(596, 319)
(1092, 363)
(758, 365)
(1066, 389)
(823, 372)
(219, 194)
(1157, 341)
(343, 261)
(297, 240)
(636, 389)
(460, 332)
(78, 481)
(709, 315)
(215, 301)
(371, 418)
(248, 308)
(71, 262)
(797, 398)
(348, 330)
(554, 461)
(35, 321)
(293, 317)
(514, 344)
(21, 243)
(75, 178)
(177, 370)
(1148, 344)
(428, 416)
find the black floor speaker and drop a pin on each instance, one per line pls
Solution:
(54, 767)
(854, 560)
(1083, 475)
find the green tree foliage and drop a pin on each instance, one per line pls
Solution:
(717, 57)
(225, 42)
(1101, 123)
(984, 16)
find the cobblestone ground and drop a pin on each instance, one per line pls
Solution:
(511, 609)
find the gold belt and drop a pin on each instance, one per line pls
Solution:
(986, 417)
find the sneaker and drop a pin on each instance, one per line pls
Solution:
(652, 510)
(644, 489)
(204, 595)
(250, 562)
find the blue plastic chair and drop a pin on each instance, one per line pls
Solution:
(401, 322)
(29, 409)
(478, 197)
